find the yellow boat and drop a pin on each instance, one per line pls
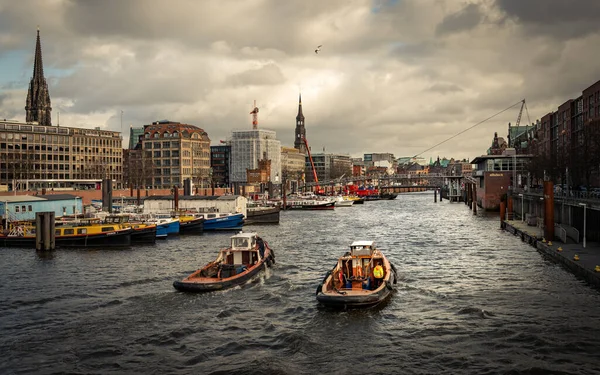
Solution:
(83, 233)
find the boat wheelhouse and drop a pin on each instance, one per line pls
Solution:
(246, 256)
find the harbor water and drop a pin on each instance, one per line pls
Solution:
(471, 299)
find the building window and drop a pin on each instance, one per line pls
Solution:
(23, 209)
(29, 208)
(16, 208)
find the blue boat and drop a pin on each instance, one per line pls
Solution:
(165, 225)
(217, 221)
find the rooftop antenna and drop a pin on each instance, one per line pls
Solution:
(58, 119)
(254, 114)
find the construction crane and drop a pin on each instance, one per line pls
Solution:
(312, 165)
(254, 114)
(523, 105)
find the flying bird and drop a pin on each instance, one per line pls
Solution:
(318, 49)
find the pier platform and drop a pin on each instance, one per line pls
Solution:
(563, 253)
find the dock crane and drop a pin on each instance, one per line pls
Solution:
(312, 165)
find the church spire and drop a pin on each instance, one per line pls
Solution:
(38, 107)
(300, 130)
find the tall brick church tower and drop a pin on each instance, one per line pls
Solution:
(38, 106)
(300, 130)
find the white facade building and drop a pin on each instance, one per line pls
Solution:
(249, 146)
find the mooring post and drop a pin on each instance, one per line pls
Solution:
(284, 192)
(474, 198)
(549, 210)
(45, 238)
(502, 213)
(509, 213)
(434, 195)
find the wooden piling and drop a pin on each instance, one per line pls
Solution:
(474, 198)
(45, 238)
(502, 213)
(434, 196)
(549, 210)
(509, 210)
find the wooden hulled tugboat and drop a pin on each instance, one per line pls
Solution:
(363, 277)
(235, 265)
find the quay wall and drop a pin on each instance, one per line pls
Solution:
(563, 254)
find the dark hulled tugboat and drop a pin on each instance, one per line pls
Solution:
(363, 277)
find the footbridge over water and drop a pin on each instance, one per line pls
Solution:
(398, 183)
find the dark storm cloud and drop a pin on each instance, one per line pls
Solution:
(463, 20)
(561, 19)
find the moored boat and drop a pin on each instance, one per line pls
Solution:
(247, 255)
(362, 277)
(142, 232)
(85, 233)
(262, 215)
(343, 202)
(191, 224)
(222, 221)
(165, 225)
(355, 199)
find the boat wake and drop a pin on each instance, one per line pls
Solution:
(475, 311)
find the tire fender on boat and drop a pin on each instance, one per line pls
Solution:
(319, 289)
(395, 273)
(389, 286)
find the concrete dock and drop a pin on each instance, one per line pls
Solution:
(563, 253)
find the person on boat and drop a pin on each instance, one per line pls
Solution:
(261, 246)
(378, 275)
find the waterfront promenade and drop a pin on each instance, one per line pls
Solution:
(563, 253)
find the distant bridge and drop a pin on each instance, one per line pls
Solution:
(391, 183)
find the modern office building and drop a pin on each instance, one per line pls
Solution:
(328, 166)
(134, 136)
(219, 162)
(33, 156)
(250, 146)
(177, 152)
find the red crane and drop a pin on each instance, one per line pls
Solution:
(254, 114)
(312, 165)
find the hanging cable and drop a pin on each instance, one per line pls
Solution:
(469, 128)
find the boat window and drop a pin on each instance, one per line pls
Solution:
(240, 243)
(69, 231)
(57, 232)
(81, 230)
(107, 229)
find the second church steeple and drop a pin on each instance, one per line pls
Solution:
(300, 130)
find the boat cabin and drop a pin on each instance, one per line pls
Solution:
(245, 251)
(358, 264)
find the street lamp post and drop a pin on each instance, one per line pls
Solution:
(584, 221)
(522, 219)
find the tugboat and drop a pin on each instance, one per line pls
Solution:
(247, 256)
(362, 277)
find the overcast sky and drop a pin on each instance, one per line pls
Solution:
(394, 76)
